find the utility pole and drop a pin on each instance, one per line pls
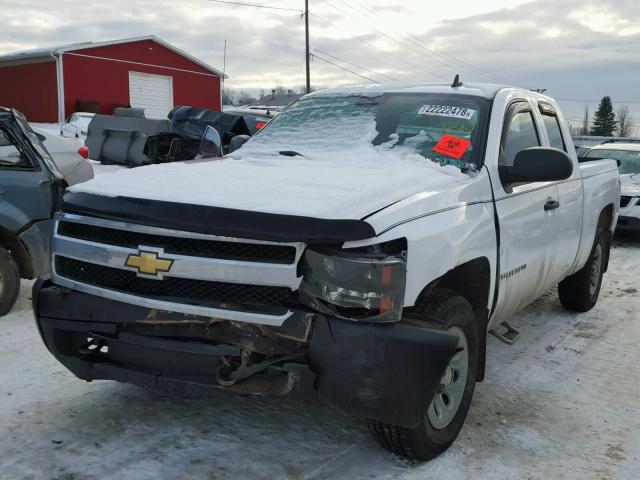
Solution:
(306, 36)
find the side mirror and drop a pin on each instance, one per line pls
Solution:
(211, 144)
(538, 164)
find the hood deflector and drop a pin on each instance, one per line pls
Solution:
(225, 222)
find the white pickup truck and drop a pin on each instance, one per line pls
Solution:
(359, 248)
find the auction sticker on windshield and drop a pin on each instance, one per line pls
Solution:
(452, 146)
(447, 111)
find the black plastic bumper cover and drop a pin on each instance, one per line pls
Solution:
(628, 223)
(384, 372)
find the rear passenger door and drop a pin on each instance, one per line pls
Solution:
(570, 196)
(528, 220)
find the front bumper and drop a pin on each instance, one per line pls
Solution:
(387, 372)
(629, 223)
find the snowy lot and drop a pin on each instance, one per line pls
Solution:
(561, 403)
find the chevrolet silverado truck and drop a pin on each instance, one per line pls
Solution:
(32, 180)
(359, 248)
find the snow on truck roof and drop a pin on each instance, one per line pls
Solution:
(486, 90)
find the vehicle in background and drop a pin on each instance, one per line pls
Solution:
(77, 125)
(255, 118)
(581, 150)
(360, 247)
(32, 180)
(634, 140)
(628, 157)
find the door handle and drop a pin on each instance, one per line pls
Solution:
(551, 205)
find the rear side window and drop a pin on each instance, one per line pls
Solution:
(10, 155)
(520, 135)
(553, 131)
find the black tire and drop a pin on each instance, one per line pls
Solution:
(577, 292)
(425, 442)
(9, 282)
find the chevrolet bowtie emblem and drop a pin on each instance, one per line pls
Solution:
(148, 263)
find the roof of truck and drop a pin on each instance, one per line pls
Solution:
(486, 90)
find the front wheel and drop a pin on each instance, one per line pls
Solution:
(446, 413)
(580, 291)
(9, 282)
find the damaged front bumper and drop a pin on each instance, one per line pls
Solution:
(387, 372)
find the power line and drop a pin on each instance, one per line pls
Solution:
(402, 59)
(431, 48)
(258, 5)
(355, 65)
(433, 52)
(315, 55)
(594, 101)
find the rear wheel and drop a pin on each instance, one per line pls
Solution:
(580, 291)
(9, 282)
(446, 413)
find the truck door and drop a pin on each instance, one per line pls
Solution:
(528, 216)
(569, 195)
(25, 184)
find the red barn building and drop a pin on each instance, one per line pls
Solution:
(49, 84)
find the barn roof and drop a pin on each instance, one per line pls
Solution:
(46, 52)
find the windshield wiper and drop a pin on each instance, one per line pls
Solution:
(290, 153)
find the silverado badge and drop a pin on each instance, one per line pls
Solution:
(148, 263)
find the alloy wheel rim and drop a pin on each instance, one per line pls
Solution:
(596, 267)
(450, 392)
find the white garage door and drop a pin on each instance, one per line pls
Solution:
(154, 93)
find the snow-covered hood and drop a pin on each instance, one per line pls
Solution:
(333, 186)
(630, 184)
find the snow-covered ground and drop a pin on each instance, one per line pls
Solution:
(562, 403)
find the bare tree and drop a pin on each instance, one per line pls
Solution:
(625, 121)
(585, 121)
(245, 98)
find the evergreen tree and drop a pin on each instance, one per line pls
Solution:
(604, 120)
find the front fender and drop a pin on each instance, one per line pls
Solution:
(384, 372)
(11, 217)
(443, 230)
(37, 241)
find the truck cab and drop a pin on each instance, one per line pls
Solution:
(359, 248)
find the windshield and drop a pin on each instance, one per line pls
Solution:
(444, 128)
(629, 159)
(83, 120)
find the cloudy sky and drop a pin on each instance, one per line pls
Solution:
(579, 50)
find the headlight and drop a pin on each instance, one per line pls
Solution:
(354, 287)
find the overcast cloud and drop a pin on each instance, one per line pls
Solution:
(577, 49)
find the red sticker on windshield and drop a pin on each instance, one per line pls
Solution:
(451, 146)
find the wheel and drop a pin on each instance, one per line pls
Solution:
(447, 411)
(9, 282)
(580, 291)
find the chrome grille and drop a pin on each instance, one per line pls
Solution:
(246, 297)
(226, 278)
(250, 252)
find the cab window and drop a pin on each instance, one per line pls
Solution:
(520, 134)
(10, 154)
